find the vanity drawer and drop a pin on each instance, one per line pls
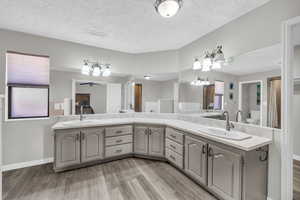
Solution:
(118, 140)
(178, 148)
(175, 158)
(174, 135)
(118, 150)
(118, 130)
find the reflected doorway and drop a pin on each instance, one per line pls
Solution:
(138, 97)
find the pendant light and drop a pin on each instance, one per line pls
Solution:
(167, 8)
(95, 69)
(85, 70)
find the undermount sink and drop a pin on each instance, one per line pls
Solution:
(231, 135)
(67, 123)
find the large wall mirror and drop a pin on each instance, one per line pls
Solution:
(249, 88)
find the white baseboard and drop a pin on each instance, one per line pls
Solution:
(26, 164)
(296, 157)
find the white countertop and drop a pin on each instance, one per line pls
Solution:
(247, 145)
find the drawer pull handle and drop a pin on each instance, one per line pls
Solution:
(172, 146)
(173, 158)
(218, 155)
(118, 141)
(173, 136)
(77, 137)
(204, 149)
(119, 131)
(118, 151)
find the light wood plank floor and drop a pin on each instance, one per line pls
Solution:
(127, 179)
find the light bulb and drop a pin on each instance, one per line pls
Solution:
(96, 71)
(106, 71)
(216, 65)
(85, 70)
(196, 64)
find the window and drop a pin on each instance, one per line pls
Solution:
(219, 95)
(27, 81)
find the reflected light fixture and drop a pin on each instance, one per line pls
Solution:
(200, 82)
(95, 69)
(197, 64)
(147, 77)
(167, 8)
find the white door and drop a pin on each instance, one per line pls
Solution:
(1, 102)
(113, 98)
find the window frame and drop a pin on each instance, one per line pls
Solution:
(9, 86)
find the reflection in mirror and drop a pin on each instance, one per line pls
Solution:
(91, 96)
(155, 93)
(249, 88)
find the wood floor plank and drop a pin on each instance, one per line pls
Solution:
(127, 179)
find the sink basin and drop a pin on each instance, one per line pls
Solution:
(68, 123)
(231, 135)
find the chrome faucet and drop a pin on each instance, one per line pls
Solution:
(237, 115)
(229, 125)
(81, 113)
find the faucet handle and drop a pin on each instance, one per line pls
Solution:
(231, 125)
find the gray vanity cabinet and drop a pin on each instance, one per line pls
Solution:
(67, 148)
(156, 141)
(149, 140)
(224, 172)
(196, 159)
(141, 140)
(92, 144)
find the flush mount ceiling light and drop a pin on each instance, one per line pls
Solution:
(95, 69)
(167, 8)
(212, 60)
(147, 77)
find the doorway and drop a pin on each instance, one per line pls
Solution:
(274, 102)
(138, 97)
(208, 97)
(82, 99)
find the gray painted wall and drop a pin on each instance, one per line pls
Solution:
(257, 29)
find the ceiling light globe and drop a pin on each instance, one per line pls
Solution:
(106, 72)
(85, 70)
(168, 8)
(216, 65)
(196, 64)
(96, 71)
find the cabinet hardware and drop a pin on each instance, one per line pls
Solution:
(173, 158)
(264, 154)
(210, 152)
(150, 131)
(118, 141)
(82, 136)
(172, 146)
(173, 136)
(119, 131)
(146, 130)
(204, 149)
(77, 136)
(118, 151)
(218, 155)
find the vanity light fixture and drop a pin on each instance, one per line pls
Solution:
(213, 60)
(200, 82)
(167, 8)
(197, 64)
(95, 69)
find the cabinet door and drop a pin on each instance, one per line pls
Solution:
(92, 144)
(67, 148)
(141, 140)
(196, 159)
(156, 141)
(224, 173)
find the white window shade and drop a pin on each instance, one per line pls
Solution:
(29, 102)
(27, 69)
(219, 87)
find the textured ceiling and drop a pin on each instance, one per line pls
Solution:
(130, 26)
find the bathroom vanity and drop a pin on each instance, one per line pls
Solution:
(224, 167)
